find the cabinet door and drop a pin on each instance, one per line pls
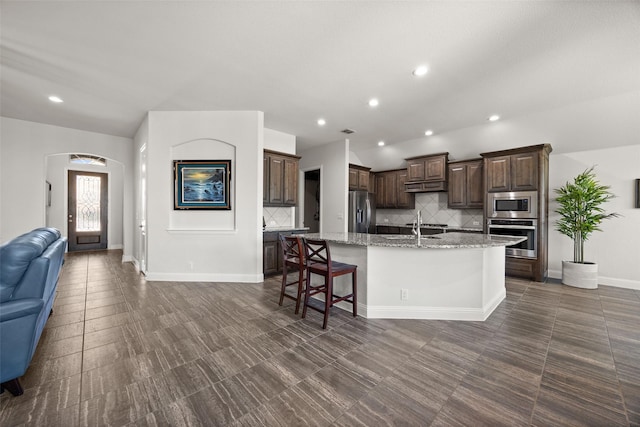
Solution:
(498, 173)
(353, 179)
(403, 199)
(290, 182)
(475, 187)
(524, 171)
(270, 257)
(390, 190)
(276, 175)
(435, 168)
(415, 170)
(379, 190)
(457, 187)
(265, 180)
(363, 180)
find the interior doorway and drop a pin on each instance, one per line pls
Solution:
(312, 200)
(87, 210)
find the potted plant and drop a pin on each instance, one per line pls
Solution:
(581, 213)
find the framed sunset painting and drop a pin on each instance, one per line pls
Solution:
(202, 184)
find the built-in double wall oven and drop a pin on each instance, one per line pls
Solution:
(515, 214)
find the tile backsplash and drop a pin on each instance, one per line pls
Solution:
(434, 210)
(278, 217)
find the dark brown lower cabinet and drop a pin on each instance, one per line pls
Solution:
(394, 229)
(272, 251)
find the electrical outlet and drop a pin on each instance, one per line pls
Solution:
(386, 220)
(191, 265)
(476, 222)
(404, 294)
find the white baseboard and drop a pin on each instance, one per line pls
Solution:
(426, 313)
(423, 313)
(619, 283)
(129, 258)
(603, 280)
(135, 263)
(114, 247)
(204, 277)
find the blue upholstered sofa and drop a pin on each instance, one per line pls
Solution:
(29, 268)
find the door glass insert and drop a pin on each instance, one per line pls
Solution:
(88, 203)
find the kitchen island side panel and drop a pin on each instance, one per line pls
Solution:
(458, 284)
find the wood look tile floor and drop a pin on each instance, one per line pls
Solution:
(119, 350)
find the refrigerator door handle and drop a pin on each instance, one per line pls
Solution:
(368, 214)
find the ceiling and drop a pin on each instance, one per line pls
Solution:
(298, 61)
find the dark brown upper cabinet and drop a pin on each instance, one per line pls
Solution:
(390, 190)
(427, 173)
(466, 184)
(359, 178)
(280, 179)
(514, 172)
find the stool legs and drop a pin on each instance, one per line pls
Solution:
(354, 288)
(329, 297)
(300, 285)
(285, 271)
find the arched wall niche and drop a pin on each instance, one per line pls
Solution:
(205, 149)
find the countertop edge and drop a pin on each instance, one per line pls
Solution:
(451, 240)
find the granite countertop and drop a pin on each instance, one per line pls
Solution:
(447, 240)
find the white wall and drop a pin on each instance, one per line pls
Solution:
(140, 141)
(279, 141)
(615, 249)
(333, 161)
(205, 245)
(24, 148)
(57, 167)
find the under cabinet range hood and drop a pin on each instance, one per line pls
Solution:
(425, 187)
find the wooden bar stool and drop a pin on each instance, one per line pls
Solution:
(292, 259)
(318, 261)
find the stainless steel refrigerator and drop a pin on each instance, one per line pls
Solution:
(362, 212)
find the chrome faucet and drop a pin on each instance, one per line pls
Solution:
(417, 223)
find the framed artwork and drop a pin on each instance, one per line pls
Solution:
(201, 184)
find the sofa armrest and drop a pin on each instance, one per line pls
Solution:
(19, 308)
(18, 320)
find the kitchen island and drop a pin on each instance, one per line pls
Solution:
(450, 276)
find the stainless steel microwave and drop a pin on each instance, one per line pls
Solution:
(514, 204)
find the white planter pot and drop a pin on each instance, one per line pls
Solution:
(580, 275)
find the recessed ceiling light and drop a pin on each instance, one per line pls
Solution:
(56, 99)
(429, 132)
(494, 118)
(373, 102)
(381, 143)
(420, 71)
(321, 122)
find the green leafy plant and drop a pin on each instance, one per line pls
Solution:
(581, 209)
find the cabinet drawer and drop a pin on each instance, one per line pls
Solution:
(519, 267)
